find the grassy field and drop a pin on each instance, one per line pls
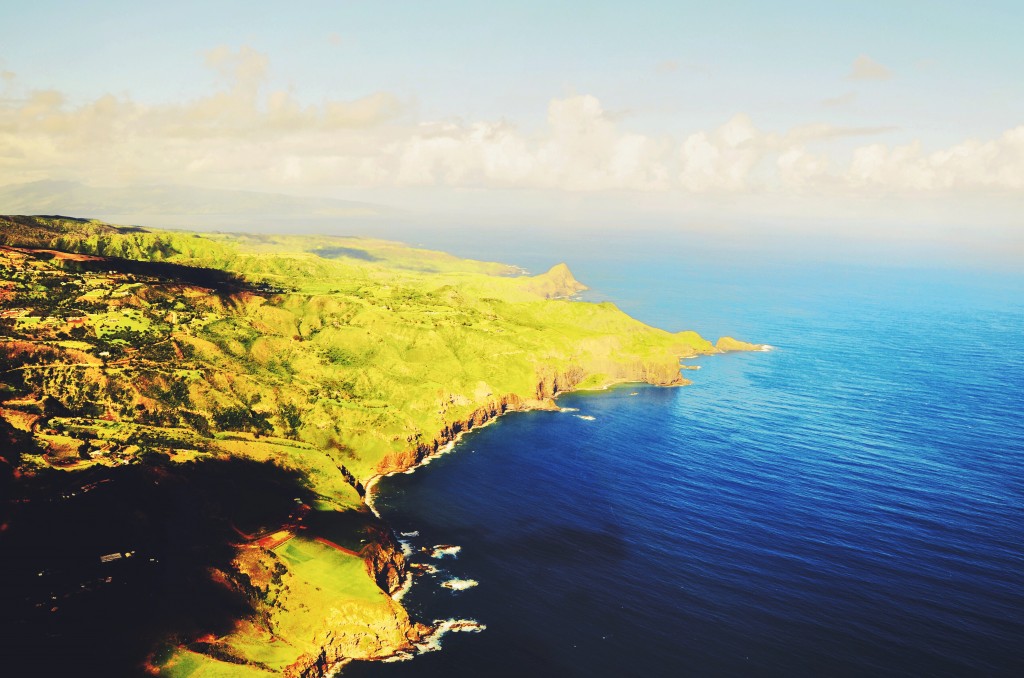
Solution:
(330, 601)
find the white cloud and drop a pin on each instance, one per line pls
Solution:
(581, 149)
(799, 169)
(240, 135)
(866, 68)
(243, 136)
(996, 164)
(722, 160)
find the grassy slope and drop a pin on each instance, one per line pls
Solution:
(339, 357)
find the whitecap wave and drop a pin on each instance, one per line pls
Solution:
(432, 642)
(585, 417)
(404, 588)
(425, 568)
(568, 409)
(414, 533)
(459, 584)
(368, 498)
(442, 550)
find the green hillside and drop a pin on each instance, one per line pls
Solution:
(336, 358)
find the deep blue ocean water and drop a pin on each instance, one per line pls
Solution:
(851, 503)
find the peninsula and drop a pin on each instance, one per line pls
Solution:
(195, 417)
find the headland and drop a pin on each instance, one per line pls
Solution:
(290, 369)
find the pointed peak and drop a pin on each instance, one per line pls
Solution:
(557, 282)
(561, 272)
(561, 268)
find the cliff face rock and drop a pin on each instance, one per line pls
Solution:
(550, 382)
(347, 637)
(729, 344)
(331, 630)
(401, 461)
(658, 372)
(385, 562)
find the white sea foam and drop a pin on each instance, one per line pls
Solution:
(568, 409)
(443, 550)
(432, 642)
(444, 449)
(437, 552)
(585, 417)
(459, 584)
(336, 669)
(766, 347)
(404, 588)
(425, 568)
(368, 496)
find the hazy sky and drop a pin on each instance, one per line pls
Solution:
(895, 111)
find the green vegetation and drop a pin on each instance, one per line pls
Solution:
(314, 592)
(339, 358)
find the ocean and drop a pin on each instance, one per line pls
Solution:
(850, 503)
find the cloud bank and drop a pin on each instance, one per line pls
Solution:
(244, 136)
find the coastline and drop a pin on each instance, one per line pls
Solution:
(371, 483)
(547, 347)
(468, 425)
(439, 627)
(551, 385)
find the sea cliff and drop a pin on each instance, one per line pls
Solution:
(549, 384)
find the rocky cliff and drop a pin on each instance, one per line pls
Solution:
(385, 562)
(343, 639)
(549, 383)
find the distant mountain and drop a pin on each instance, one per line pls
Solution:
(184, 206)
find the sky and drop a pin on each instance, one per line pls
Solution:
(897, 114)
